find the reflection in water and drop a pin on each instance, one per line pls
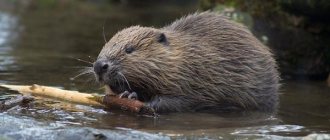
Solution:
(7, 62)
(6, 23)
(284, 130)
(307, 104)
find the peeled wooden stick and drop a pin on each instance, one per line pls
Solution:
(110, 101)
(71, 96)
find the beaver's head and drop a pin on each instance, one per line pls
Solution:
(136, 57)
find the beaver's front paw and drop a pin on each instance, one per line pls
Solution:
(129, 95)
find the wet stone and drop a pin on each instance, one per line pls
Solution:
(317, 137)
(28, 129)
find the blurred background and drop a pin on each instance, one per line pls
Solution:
(42, 40)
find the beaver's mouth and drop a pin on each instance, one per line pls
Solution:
(118, 84)
(108, 72)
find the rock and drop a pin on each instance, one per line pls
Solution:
(29, 129)
(317, 137)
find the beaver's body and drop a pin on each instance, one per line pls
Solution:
(200, 62)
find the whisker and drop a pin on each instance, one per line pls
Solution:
(77, 67)
(105, 39)
(80, 74)
(117, 82)
(93, 59)
(91, 80)
(87, 83)
(100, 87)
(104, 36)
(87, 70)
(81, 60)
(122, 75)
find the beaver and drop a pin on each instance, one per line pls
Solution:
(203, 61)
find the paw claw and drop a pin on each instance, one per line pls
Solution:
(132, 96)
(125, 94)
(129, 95)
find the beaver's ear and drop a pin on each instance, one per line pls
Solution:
(161, 38)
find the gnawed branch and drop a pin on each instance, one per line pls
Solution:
(109, 100)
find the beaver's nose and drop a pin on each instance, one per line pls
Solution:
(101, 66)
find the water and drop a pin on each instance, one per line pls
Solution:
(40, 42)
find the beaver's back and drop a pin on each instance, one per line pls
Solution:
(227, 65)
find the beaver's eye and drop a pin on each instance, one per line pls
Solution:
(162, 39)
(129, 50)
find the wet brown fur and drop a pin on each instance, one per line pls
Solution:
(208, 62)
